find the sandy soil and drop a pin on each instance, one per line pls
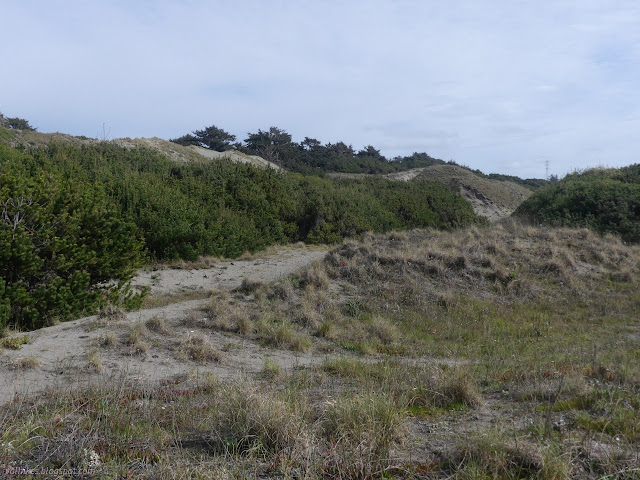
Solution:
(484, 207)
(227, 274)
(489, 198)
(61, 351)
(235, 156)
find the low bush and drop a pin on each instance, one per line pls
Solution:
(605, 200)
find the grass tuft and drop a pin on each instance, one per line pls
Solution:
(363, 429)
(112, 313)
(197, 348)
(26, 363)
(271, 369)
(158, 325)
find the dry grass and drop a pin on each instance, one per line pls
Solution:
(107, 339)
(135, 333)
(316, 276)
(362, 429)
(197, 348)
(94, 362)
(419, 388)
(510, 352)
(490, 455)
(26, 363)
(158, 325)
(250, 285)
(136, 339)
(488, 260)
(249, 421)
(283, 335)
(112, 313)
(271, 369)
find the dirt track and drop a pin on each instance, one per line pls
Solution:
(172, 281)
(61, 351)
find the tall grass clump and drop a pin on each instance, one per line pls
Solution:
(249, 421)
(362, 431)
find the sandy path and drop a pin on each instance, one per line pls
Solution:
(62, 350)
(228, 274)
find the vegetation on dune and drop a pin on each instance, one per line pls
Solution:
(605, 200)
(311, 156)
(74, 218)
(211, 137)
(510, 352)
(507, 195)
(397, 290)
(225, 209)
(15, 123)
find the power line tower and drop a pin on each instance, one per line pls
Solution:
(546, 169)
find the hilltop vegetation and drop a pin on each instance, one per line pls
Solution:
(15, 123)
(311, 156)
(605, 200)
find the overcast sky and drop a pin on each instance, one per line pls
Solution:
(499, 85)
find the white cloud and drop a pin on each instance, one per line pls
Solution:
(497, 85)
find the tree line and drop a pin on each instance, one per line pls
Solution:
(311, 156)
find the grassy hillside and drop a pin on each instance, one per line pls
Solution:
(606, 200)
(507, 352)
(491, 198)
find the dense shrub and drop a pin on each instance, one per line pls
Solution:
(62, 242)
(606, 200)
(225, 208)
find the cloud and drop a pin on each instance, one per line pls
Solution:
(492, 84)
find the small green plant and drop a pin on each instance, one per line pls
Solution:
(271, 369)
(15, 343)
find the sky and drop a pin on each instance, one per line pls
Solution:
(498, 85)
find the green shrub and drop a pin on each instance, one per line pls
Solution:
(223, 208)
(608, 201)
(63, 242)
